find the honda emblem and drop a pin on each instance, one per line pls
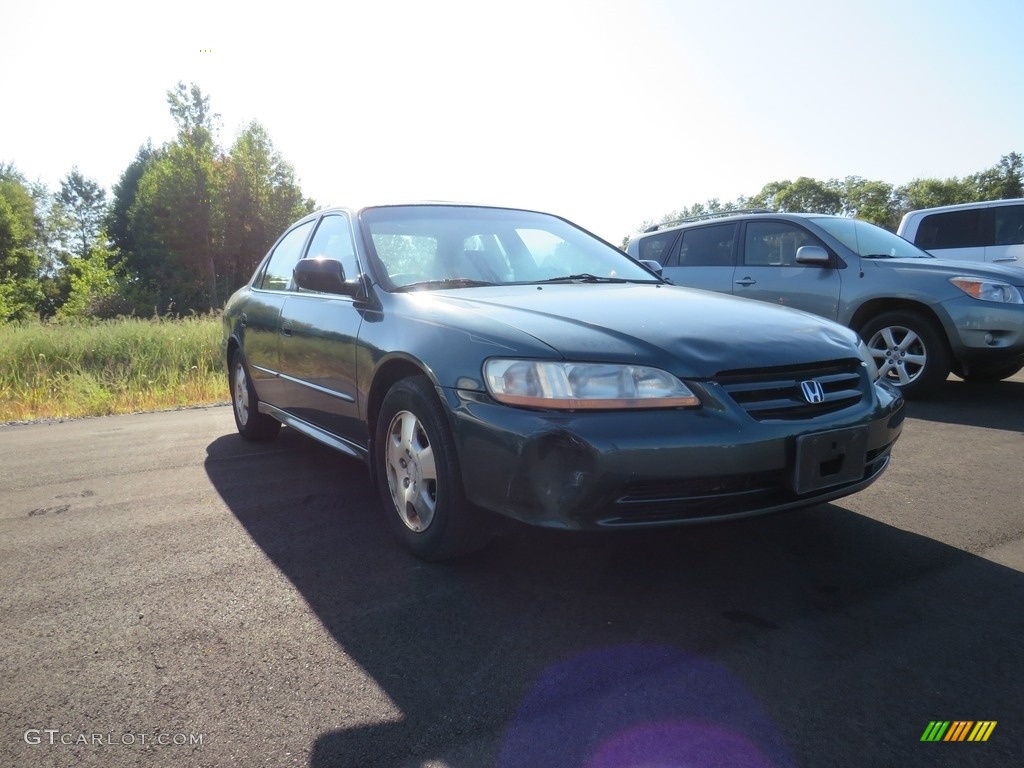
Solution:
(813, 391)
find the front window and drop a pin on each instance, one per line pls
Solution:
(428, 246)
(774, 243)
(869, 241)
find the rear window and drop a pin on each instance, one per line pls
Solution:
(952, 229)
(708, 246)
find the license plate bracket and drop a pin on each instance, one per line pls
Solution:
(825, 459)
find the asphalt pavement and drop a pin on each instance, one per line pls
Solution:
(174, 596)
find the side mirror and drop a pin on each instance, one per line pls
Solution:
(323, 275)
(812, 255)
(652, 265)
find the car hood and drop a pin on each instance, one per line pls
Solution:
(953, 268)
(688, 332)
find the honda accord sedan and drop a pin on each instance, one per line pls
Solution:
(489, 361)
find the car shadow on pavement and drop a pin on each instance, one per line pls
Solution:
(818, 637)
(995, 405)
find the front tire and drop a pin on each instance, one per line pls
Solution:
(418, 475)
(910, 352)
(252, 425)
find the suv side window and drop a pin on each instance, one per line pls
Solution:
(774, 243)
(707, 246)
(657, 247)
(278, 274)
(333, 240)
(953, 229)
(1009, 224)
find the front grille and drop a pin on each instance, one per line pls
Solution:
(775, 393)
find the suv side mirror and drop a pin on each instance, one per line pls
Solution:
(652, 265)
(323, 275)
(812, 255)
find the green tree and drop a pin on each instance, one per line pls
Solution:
(803, 195)
(257, 197)
(171, 220)
(118, 221)
(19, 258)
(873, 201)
(96, 285)
(1000, 182)
(929, 193)
(81, 206)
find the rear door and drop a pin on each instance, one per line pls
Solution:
(1008, 235)
(262, 318)
(768, 270)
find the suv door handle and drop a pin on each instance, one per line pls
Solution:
(286, 328)
(746, 281)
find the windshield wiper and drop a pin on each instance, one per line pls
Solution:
(452, 282)
(877, 256)
(584, 277)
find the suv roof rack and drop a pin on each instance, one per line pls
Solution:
(702, 216)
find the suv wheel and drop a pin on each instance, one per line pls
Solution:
(908, 350)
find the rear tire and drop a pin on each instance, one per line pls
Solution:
(252, 425)
(910, 352)
(419, 477)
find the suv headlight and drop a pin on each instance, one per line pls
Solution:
(988, 290)
(573, 386)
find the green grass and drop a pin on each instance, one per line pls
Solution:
(116, 366)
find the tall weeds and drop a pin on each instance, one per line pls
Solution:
(116, 366)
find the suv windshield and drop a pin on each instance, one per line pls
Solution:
(438, 246)
(867, 240)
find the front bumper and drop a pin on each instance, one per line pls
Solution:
(984, 332)
(649, 468)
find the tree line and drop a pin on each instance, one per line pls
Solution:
(188, 221)
(879, 202)
(185, 225)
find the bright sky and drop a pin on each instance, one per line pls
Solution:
(608, 113)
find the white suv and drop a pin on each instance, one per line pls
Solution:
(992, 231)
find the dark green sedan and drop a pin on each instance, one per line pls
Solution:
(488, 361)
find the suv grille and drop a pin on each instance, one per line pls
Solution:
(776, 393)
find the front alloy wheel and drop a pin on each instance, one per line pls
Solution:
(418, 475)
(908, 351)
(412, 475)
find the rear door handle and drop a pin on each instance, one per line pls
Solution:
(746, 281)
(286, 329)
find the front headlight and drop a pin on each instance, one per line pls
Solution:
(988, 290)
(572, 386)
(868, 360)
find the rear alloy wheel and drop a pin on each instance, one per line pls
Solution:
(418, 475)
(251, 424)
(908, 350)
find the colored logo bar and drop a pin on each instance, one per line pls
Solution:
(958, 730)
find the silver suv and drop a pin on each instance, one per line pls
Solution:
(921, 317)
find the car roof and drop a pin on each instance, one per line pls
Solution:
(727, 216)
(966, 206)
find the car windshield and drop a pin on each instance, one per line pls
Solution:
(869, 241)
(436, 246)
